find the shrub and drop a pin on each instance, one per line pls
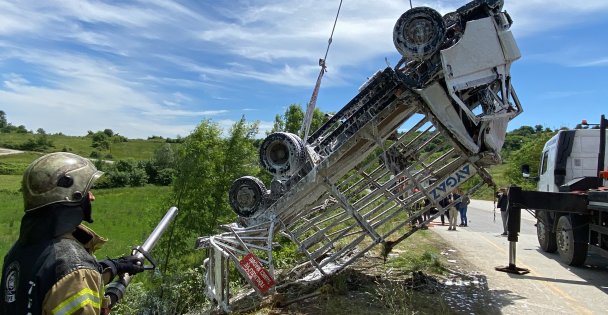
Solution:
(165, 176)
(138, 177)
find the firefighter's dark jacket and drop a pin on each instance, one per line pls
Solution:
(51, 268)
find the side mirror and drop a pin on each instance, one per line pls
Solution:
(525, 171)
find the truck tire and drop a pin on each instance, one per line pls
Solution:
(544, 232)
(246, 195)
(571, 251)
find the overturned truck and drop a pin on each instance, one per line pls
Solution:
(411, 135)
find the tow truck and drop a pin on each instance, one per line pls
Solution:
(571, 202)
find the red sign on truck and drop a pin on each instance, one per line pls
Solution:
(256, 273)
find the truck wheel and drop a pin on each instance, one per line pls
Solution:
(544, 227)
(246, 195)
(571, 252)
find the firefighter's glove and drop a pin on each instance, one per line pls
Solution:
(126, 264)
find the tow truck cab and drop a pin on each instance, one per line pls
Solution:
(571, 156)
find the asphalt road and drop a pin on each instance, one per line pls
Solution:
(550, 288)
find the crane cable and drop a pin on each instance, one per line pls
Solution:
(313, 99)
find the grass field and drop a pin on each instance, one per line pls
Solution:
(125, 216)
(137, 149)
(15, 164)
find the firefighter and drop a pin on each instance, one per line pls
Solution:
(51, 268)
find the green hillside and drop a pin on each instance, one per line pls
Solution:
(137, 149)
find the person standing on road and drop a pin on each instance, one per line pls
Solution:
(453, 217)
(502, 205)
(51, 268)
(444, 203)
(464, 203)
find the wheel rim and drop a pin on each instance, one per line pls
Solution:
(564, 236)
(246, 195)
(563, 241)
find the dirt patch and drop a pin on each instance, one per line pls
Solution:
(4, 151)
(373, 286)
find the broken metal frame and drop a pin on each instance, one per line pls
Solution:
(356, 189)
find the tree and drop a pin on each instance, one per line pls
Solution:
(294, 116)
(108, 132)
(3, 121)
(164, 157)
(318, 119)
(279, 124)
(206, 167)
(161, 168)
(21, 129)
(40, 131)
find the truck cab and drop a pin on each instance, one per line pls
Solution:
(568, 156)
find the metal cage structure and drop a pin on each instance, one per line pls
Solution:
(412, 135)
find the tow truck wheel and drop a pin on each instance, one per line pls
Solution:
(572, 250)
(544, 232)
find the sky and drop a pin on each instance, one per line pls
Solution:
(144, 68)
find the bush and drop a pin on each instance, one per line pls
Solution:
(165, 176)
(122, 173)
(178, 293)
(138, 177)
(118, 179)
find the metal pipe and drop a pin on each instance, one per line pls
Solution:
(116, 289)
(158, 230)
(512, 251)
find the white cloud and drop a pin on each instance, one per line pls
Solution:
(154, 67)
(593, 63)
(537, 16)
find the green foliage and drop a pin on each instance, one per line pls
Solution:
(517, 138)
(15, 164)
(206, 167)
(161, 168)
(287, 254)
(40, 143)
(424, 256)
(528, 154)
(126, 216)
(3, 122)
(137, 149)
(294, 116)
(176, 293)
(10, 183)
(11, 213)
(122, 173)
(291, 121)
